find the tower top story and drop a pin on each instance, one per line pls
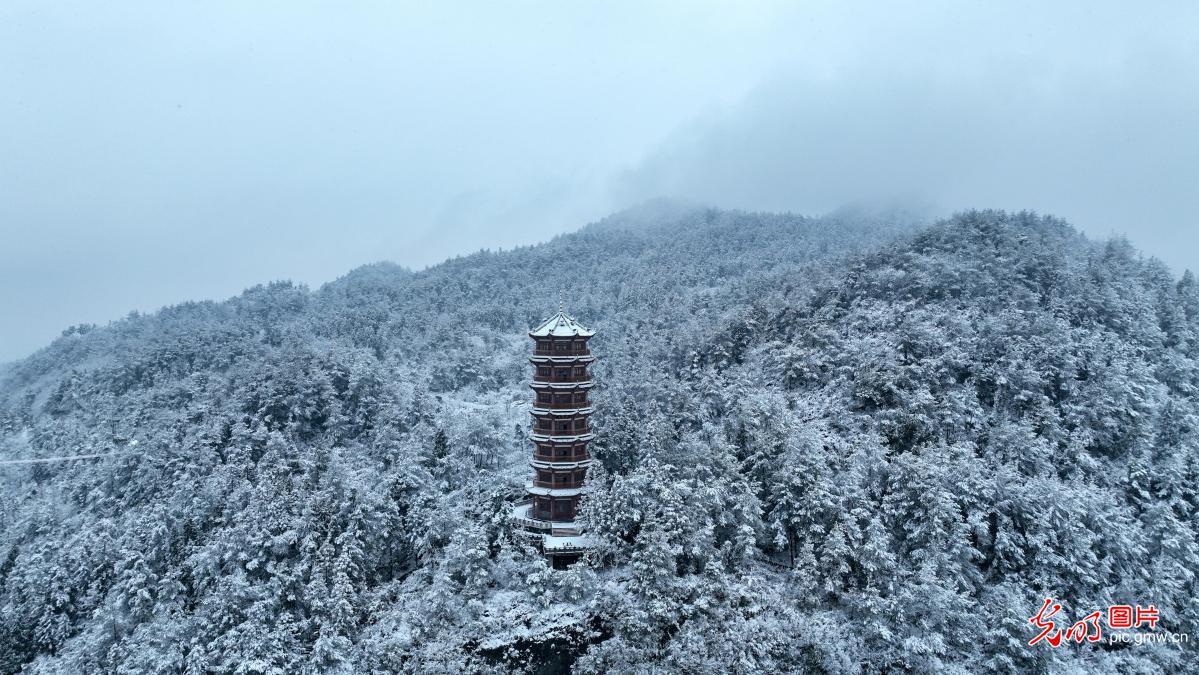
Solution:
(561, 325)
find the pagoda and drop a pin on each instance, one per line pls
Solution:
(561, 430)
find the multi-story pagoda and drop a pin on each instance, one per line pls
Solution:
(560, 433)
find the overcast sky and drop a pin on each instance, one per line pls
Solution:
(154, 152)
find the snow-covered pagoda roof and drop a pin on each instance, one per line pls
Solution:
(560, 325)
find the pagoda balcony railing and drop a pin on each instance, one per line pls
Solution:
(549, 518)
(562, 378)
(555, 352)
(576, 457)
(558, 485)
(562, 432)
(572, 405)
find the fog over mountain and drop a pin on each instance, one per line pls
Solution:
(156, 153)
(882, 355)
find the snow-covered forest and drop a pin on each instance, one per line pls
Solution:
(841, 444)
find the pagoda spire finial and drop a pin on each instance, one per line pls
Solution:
(561, 301)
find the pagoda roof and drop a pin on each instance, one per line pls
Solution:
(561, 359)
(553, 492)
(550, 438)
(561, 325)
(571, 464)
(585, 384)
(561, 412)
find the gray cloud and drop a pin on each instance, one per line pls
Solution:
(1099, 125)
(156, 152)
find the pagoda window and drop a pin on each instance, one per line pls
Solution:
(543, 345)
(543, 371)
(563, 372)
(580, 345)
(581, 397)
(581, 370)
(562, 398)
(561, 346)
(580, 423)
(543, 397)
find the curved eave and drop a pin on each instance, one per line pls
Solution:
(539, 438)
(585, 384)
(573, 464)
(561, 359)
(553, 492)
(580, 332)
(565, 412)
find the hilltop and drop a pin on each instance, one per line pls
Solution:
(826, 443)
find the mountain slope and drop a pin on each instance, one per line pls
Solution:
(281, 462)
(991, 413)
(826, 445)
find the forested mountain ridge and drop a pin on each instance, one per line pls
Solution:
(993, 412)
(285, 443)
(933, 434)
